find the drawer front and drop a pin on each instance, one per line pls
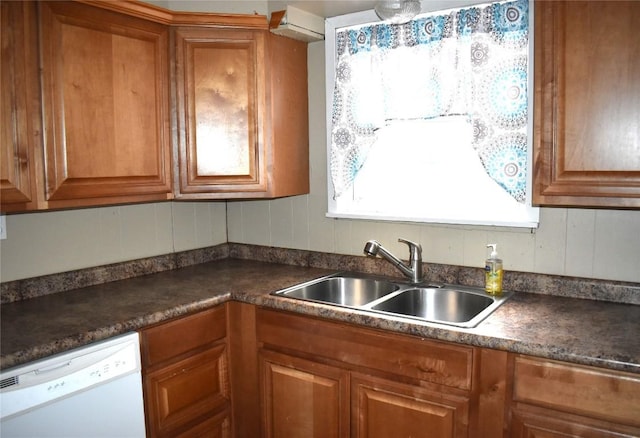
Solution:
(187, 392)
(419, 359)
(535, 422)
(598, 393)
(174, 338)
(218, 426)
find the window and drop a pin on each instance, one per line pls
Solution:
(430, 121)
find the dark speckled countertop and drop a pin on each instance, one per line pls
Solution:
(574, 330)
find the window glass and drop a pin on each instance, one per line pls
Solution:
(430, 120)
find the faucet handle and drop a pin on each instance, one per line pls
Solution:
(410, 243)
(414, 248)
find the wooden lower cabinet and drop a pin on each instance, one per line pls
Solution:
(327, 379)
(294, 376)
(303, 398)
(555, 399)
(186, 376)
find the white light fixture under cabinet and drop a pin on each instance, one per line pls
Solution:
(297, 24)
(397, 11)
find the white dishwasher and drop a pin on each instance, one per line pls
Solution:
(90, 392)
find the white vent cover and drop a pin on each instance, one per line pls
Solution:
(297, 24)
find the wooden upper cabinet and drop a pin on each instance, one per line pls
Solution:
(93, 115)
(20, 96)
(242, 119)
(587, 104)
(221, 96)
(288, 161)
(106, 106)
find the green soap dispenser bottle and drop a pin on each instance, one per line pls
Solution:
(493, 272)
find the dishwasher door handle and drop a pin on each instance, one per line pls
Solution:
(53, 367)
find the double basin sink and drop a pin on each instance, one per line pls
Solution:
(459, 306)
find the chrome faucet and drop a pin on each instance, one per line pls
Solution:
(413, 270)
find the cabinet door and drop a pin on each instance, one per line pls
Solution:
(220, 89)
(382, 408)
(105, 100)
(187, 393)
(20, 122)
(587, 104)
(301, 398)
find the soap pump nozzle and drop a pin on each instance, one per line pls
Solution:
(494, 252)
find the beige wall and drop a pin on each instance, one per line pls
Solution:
(48, 242)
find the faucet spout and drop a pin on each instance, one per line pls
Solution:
(413, 270)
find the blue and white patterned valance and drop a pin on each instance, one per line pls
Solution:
(471, 62)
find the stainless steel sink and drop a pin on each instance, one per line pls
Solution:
(343, 291)
(460, 306)
(445, 305)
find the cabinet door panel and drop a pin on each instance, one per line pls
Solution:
(187, 391)
(20, 123)
(587, 108)
(382, 408)
(221, 101)
(106, 105)
(301, 398)
(222, 95)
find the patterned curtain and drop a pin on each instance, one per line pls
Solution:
(471, 62)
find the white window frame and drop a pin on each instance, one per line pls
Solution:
(333, 23)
